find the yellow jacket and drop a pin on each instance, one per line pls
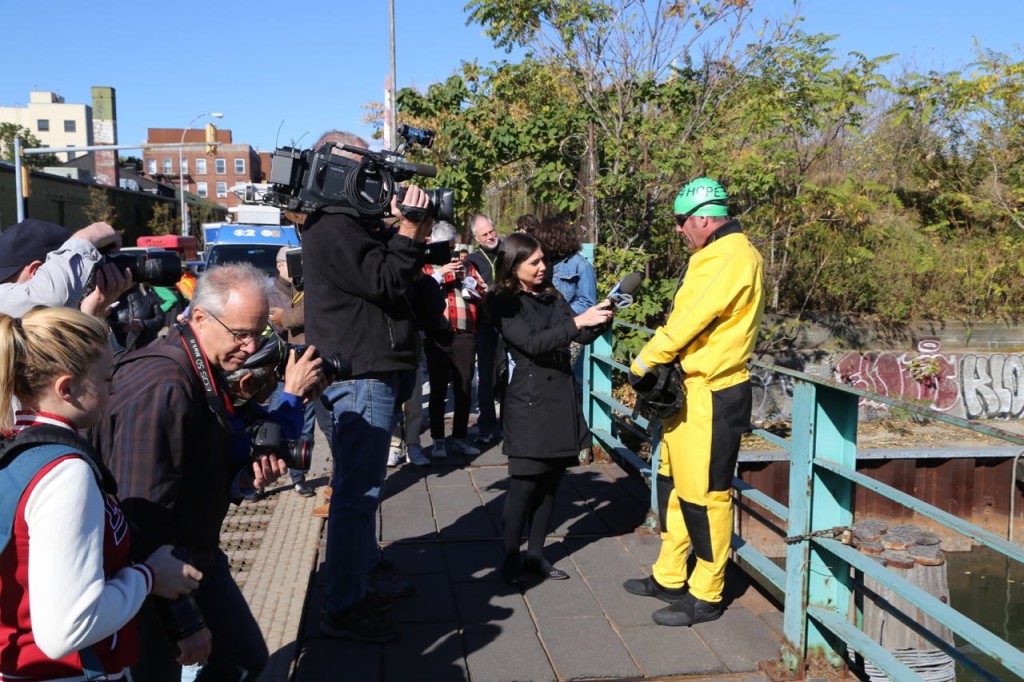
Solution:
(714, 324)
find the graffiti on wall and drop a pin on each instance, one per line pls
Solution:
(992, 385)
(974, 386)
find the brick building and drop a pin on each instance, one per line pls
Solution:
(207, 176)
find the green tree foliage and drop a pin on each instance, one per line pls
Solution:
(9, 131)
(165, 220)
(899, 199)
(100, 208)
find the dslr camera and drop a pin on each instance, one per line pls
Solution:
(266, 439)
(273, 354)
(311, 179)
(334, 367)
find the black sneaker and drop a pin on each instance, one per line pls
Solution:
(649, 587)
(359, 622)
(487, 439)
(378, 601)
(688, 611)
(388, 582)
(303, 489)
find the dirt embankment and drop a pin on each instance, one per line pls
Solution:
(901, 434)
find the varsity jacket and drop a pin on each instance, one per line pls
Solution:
(66, 580)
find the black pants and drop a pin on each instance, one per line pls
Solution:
(533, 498)
(450, 358)
(238, 652)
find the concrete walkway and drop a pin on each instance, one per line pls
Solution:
(441, 526)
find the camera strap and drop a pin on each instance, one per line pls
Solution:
(216, 397)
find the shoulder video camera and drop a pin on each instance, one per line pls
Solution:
(311, 179)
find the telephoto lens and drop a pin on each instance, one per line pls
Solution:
(267, 440)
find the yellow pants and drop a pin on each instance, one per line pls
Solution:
(699, 448)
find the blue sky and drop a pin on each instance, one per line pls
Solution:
(307, 66)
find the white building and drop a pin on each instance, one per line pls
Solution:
(54, 122)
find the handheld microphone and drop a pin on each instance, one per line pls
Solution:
(622, 295)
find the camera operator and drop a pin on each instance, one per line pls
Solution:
(357, 275)
(43, 264)
(166, 436)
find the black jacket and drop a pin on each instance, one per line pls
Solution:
(356, 286)
(485, 260)
(541, 414)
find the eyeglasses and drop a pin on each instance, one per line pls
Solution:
(681, 219)
(242, 337)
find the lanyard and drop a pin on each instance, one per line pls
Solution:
(217, 400)
(489, 262)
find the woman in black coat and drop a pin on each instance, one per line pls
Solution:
(543, 426)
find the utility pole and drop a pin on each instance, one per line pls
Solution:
(390, 121)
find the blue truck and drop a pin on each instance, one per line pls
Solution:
(254, 236)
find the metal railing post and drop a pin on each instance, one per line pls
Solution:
(824, 428)
(794, 619)
(830, 584)
(598, 378)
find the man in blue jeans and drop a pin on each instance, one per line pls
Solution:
(357, 274)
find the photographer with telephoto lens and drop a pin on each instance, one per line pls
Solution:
(43, 264)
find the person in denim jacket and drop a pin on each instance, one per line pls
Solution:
(571, 273)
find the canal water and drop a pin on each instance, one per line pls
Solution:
(988, 588)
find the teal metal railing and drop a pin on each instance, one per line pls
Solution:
(821, 573)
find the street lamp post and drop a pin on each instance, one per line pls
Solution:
(181, 171)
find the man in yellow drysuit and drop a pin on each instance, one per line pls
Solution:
(710, 332)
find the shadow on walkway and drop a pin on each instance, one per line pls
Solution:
(441, 526)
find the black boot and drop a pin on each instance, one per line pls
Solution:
(649, 587)
(688, 611)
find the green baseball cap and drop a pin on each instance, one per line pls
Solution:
(701, 197)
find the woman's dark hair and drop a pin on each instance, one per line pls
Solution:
(515, 249)
(527, 223)
(558, 237)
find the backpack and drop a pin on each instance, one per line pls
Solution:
(21, 459)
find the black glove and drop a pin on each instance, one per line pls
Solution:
(645, 383)
(660, 393)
